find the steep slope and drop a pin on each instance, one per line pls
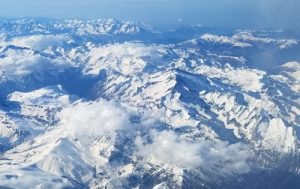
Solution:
(85, 105)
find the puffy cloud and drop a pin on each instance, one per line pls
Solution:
(22, 63)
(39, 42)
(219, 157)
(25, 65)
(86, 119)
(94, 119)
(102, 117)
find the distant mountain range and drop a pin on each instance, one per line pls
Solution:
(111, 104)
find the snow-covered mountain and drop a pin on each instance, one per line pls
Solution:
(110, 104)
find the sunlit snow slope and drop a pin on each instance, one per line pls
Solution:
(110, 104)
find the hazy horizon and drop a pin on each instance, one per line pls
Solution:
(277, 14)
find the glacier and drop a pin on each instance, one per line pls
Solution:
(113, 104)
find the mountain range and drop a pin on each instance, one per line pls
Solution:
(112, 104)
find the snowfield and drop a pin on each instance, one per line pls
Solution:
(110, 104)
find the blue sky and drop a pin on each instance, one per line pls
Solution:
(223, 13)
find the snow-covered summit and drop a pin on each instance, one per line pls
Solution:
(111, 104)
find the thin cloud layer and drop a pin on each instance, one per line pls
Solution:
(220, 157)
(224, 13)
(16, 65)
(39, 42)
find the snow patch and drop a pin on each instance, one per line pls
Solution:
(126, 58)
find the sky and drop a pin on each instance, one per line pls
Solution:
(281, 14)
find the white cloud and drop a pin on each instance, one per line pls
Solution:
(39, 42)
(24, 179)
(24, 63)
(220, 157)
(94, 119)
